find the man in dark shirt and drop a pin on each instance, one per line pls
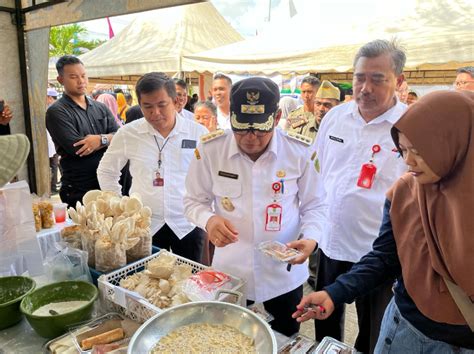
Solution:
(81, 129)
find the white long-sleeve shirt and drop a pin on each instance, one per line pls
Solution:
(249, 187)
(343, 144)
(136, 142)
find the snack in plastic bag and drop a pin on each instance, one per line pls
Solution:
(203, 285)
(36, 215)
(278, 251)
(72, 235)
(89, 237)
(142, 249)
(66, 263)
(108, 255)
(47, 215)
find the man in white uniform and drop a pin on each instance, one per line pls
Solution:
(255, 184)
(160, 147)
(182, 99)
(359, 163)
(221, 85)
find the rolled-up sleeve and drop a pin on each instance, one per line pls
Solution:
(111, 164)
(198, 198)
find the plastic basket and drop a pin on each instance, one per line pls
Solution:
(115, 298)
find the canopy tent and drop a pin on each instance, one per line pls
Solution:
(157, 41)
(432, 40)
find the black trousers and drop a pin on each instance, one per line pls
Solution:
(53, 165)
(282, 307)
(190, 246)
(71, 195)
(370, 307)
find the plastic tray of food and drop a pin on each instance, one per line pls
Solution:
(131, 304)
(111, 330)
(278, 251)
(297, 344)
(332, 346)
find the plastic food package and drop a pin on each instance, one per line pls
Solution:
(108, 255)
(142, 249)
(72, 235)
(203, 286)
(88, 239)
(298, 344)
(47, 215)
(36, 214)
(330, 345)
(66, 263)
(260, 311)
(278, 251)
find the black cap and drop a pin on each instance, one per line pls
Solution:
(253, 104)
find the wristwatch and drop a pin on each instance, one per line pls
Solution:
(104, 141)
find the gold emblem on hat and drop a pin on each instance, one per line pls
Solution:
(281, 173)
(227, 204)
(253, 97)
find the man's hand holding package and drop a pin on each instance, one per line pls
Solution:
(306, 247)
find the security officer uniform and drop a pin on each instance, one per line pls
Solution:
(303, 123)
(223, 180)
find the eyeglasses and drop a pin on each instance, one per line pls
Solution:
(257, 133)
(461, 83)
(377, 80)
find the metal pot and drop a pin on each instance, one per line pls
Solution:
(212, 312)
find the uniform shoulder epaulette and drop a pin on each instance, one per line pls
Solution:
(300, 137)
(295, 110)
(212, 135)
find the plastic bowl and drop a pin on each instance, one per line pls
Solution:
(54, 326)
(12, 291)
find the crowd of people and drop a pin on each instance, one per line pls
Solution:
(374, 186)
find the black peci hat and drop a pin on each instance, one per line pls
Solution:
(253, 104)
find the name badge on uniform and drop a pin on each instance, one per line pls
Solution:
(158, 180)
(188, 144)
(273, 217)
(274, 211)
(368, 171)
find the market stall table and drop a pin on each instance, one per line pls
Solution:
(47, 237)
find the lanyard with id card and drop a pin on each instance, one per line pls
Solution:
(368, 170)
(273, 211)
(158, 177)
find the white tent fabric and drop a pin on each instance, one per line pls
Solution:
(437, 35)
(157, 41)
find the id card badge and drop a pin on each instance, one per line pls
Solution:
(157, 178)
(367, 175)
(273, 217)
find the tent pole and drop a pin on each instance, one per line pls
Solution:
(202, 95)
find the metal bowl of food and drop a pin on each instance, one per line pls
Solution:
(205, 312)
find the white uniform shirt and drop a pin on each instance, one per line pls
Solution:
(223, 120)
(51, 148)
(251, 192)
(343, 144)
(186, 114)
(135, 142)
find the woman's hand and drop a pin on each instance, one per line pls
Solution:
(317, 305)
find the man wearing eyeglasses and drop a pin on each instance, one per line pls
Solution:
(358, 165)
(464, 79)
(252, 184)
